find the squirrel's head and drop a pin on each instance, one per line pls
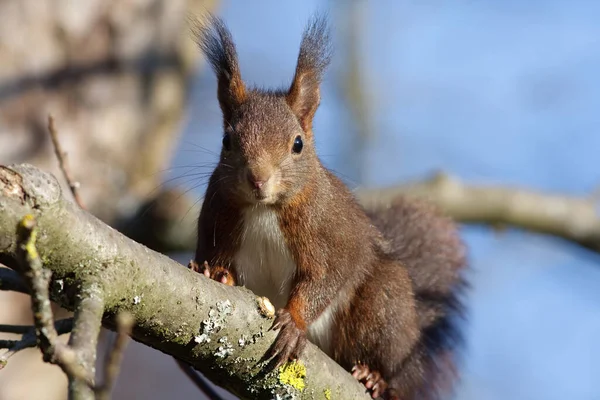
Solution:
(268, 153)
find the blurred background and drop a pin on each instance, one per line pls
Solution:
(492, 92)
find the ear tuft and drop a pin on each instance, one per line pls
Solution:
(315, 54)
(216, 42)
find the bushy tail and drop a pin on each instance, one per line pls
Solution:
(428, 244)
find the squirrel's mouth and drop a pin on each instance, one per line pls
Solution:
(259, 195)
(262, 196)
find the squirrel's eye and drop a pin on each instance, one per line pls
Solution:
(226, 141)
(297, 147)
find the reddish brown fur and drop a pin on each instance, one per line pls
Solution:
(398, 267)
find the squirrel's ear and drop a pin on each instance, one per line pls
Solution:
(216, 43)
(315, 54)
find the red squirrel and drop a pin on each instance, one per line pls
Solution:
(378, 290)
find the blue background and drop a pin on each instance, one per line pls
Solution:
(495, 92)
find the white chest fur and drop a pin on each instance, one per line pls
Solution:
(265, 265)
(264, 262)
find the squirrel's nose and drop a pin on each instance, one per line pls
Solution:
(257, 180)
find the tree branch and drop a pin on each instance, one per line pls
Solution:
(62, 326)
(217, 329)
(89, 308)
(10, 280)
(573, 218)
(62, 162)
(28, 339)
(115, 356)
(38, 280)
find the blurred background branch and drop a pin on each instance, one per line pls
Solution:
(572, 218)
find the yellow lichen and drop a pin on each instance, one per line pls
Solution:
(327, 393)
(28, 222)
(293, 374)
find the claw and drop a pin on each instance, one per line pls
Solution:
(193, 265)
(217, 273)
(360, 372)
(224, 277)
(376, 390)
(372, 380)
(300, 345)
(290, 341)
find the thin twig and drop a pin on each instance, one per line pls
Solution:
(87, 322)
(10, 280)
(62, 326)
(201, 382)
(115, 356)
(28, 339)
(62, 162)
(17, 329)
(38, 280)
(8, 344)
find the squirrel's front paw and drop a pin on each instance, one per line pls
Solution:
(290, 341)
(217, 272)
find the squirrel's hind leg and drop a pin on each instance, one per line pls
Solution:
(374, 382)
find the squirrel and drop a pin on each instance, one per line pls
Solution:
(377, 290)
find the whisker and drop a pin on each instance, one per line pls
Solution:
(221, 180)
(183, 194)
(194, 174)
(205, 149)
(190, 167)
(212, 197)
(191, 207)
(198, 152)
